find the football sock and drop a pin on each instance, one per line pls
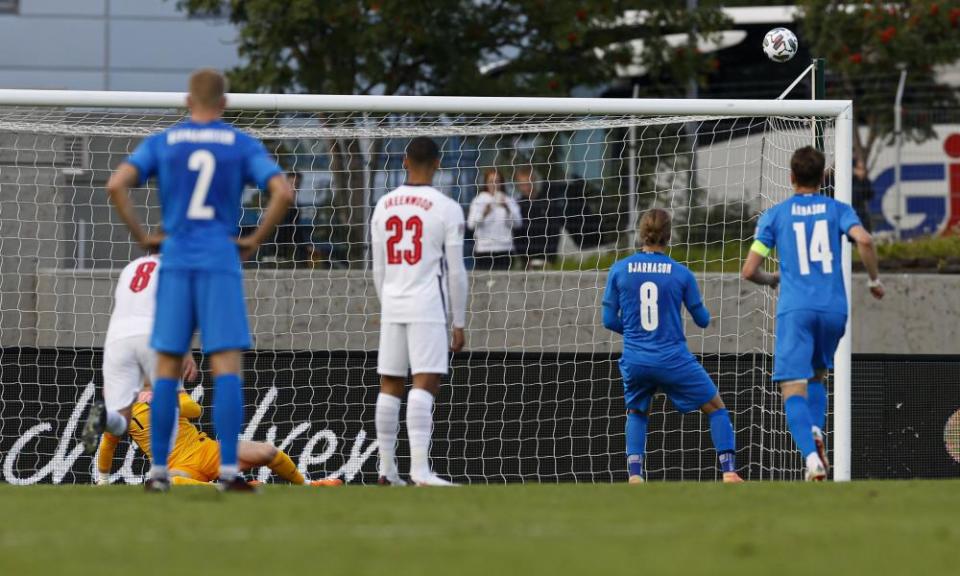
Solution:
(116, 423)
(227, 420)
(163, 422)
(724, 441)
(284, 467)
(798, 419)
(388, 423)
(636, 441)
(817, 401)
(184, 481)
(419, 430)
(108, 447)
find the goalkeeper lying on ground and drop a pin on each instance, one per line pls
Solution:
(195, 457)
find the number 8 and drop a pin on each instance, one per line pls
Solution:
(649, 311)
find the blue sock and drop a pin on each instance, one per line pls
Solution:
(227, 420)
(163, 419)
(636, 442)
(721, 430)
(817, 401)
(798, 419)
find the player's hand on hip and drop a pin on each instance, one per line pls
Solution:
(152, 242)
(189, 368)
(248, 245)
(458, 340)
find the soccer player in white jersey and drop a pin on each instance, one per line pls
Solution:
(417, 239)
(128, 359)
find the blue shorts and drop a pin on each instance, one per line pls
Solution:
(806, 343)
(686, 383)
(191, 299)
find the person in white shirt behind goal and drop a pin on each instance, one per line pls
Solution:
(417, 240)
(128, 359)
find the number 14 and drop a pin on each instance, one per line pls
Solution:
(819, 247)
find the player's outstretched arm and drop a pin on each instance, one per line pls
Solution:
(118, 187)
(281, 196)
(868, 255)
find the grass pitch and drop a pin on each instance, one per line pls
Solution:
(676, 528)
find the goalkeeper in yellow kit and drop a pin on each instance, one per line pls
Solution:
(195, 457)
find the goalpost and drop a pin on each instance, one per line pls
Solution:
(537, 394)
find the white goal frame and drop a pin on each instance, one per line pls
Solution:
(840, 110)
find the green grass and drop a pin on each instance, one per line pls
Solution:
(938, 247)
(714, 257)
(673, 528)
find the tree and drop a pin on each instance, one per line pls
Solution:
(866, 44)
(438, 46)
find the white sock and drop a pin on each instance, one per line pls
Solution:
(419, 430)
(116, 423)
(228, 473)
(158, 472)
(387, 419)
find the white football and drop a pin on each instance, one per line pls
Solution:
(780, 44)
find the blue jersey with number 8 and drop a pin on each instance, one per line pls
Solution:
(647, 290)
(807, 230)
(202, 170)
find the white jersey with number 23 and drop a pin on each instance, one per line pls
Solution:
(415, 232)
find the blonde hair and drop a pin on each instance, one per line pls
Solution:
(655, 227)
(207, 87)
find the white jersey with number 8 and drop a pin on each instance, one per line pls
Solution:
(135, 299)
(415, 232)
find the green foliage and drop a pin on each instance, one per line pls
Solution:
(927, 247)
(866, 43)
(436, 47)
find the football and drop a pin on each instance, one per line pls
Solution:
(780, 44)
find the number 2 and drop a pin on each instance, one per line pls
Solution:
(141, 276)
(649, 311)
(819, 247)
(204, 162)
(396, 227)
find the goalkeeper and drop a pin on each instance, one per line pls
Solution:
(642, 302)
(195, 457)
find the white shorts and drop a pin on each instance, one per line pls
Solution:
(413, 348)
(126, 363)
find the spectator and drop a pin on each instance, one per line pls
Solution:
(862, 194)
(542, 222)
(493, 217)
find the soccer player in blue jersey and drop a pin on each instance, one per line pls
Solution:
(202, 166)
(642, 302)
(807, 231)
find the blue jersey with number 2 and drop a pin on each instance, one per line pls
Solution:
(807, 231)
(202, 170)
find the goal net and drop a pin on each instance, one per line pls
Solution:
(536, 397)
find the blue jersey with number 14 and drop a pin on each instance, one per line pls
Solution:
(202, 170)
(807, 231)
